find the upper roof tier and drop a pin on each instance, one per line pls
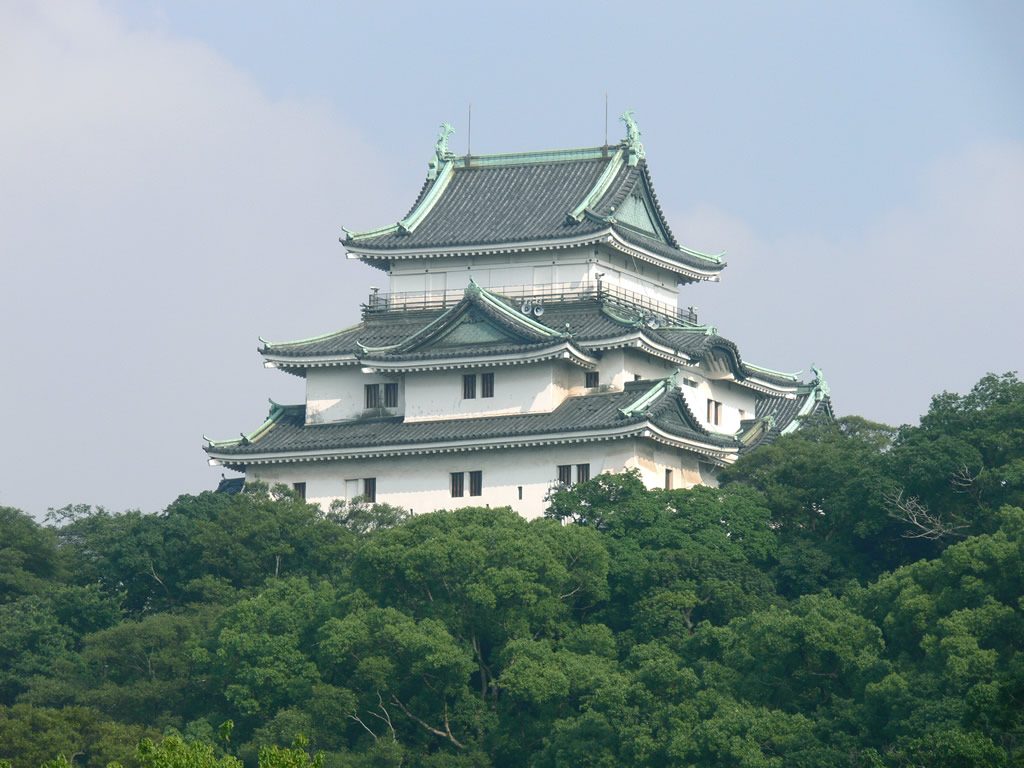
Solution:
(536, 200)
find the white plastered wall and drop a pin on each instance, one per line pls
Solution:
(421, 483)
(338, 394)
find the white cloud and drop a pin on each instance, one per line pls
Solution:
(922, 300)
(157, 212)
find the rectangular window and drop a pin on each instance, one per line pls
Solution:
(370, 489)
(300, 490)
(372, 395)
(593, 377)
(714, 412)
(520, 493)
(458, 484)
(690, 382)
(391, 395)
(486, 385)
(476, 483)
(469, 386)
(582, 473)
(565, 474)
(668, 479)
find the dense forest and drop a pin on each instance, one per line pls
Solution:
(850, 596)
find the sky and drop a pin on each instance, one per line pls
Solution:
(174, 177)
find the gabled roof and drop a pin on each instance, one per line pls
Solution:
(536, 199)
(582, 328)
(656, 410)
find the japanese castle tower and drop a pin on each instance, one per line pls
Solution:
(530, 339)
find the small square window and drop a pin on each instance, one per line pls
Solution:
(476, 483)
(486, 385)
(370, 489)
(565, 474)
(469, 386)
(300, 490)
(582, 473)
(372, 395)
(457, 484)
(391, 395)
(593, 377)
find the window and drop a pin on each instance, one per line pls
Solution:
(668, 479)
(469, 386)
(593, 377)
(582, 473)
(637, 377)
(372, 395)
(370, 489)
(714, 412)
(457, 484)
(476, 483)
(486, 385)
(520, 493)
(391, 395)
(690, 382)
(565, 474)
(300, 490)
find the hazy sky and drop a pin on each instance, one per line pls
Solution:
(174, 177)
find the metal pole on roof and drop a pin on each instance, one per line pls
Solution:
(469, 131)
(606, 118)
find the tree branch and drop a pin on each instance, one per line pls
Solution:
(924, 523)
(446, 733)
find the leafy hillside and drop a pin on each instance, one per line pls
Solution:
(851, 596)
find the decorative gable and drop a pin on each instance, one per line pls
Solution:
(472, 328)
(636, 212)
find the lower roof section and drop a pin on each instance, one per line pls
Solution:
(651, 410)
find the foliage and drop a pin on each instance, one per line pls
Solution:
(800, 615)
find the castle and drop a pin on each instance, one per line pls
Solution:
(530, 339)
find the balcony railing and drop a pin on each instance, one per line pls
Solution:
(546, 294)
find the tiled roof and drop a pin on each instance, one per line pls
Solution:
(521, 202)
(286, 430)
(586, 323)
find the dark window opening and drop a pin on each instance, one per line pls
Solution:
(668, 479)
(486, 385)
(520, 493)
(300, 490)
(593, 378)
(391, 395)
(637, 377)
(370, 489)
(372, 395)
(714, 412)
(469, 386)
(565, 474)
(458, 484)
(582, 473)
(476, 483)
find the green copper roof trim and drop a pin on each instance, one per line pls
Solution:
(600, 187)
(817, 391)
(410, 222)
(276, 412)
(780, 374)
(533, 158)
(637, 321)
(495, 302)
(713, 258)
(270, 344)
(411, 336)
(641, 405)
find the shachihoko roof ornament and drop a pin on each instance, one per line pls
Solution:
(636, 149)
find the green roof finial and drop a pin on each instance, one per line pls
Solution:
(636, 149)
(819, 382)
(441, 151)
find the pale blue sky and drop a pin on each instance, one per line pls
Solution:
(177, 173)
